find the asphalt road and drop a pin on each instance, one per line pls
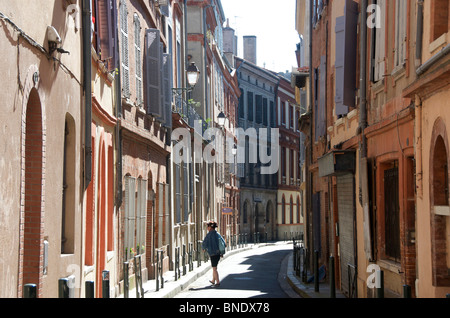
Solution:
(256, 273)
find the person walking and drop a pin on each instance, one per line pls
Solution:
(214, 244)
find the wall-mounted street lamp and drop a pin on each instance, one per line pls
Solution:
(234, 150)
(193, 75)
(221, 119)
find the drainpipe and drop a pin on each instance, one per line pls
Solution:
(428, 64)
(363, 79)
(87, 87)
(119, 138)
(310, 176)
(419, 32)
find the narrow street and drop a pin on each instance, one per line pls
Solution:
(256, 273)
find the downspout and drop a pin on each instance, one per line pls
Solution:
(87, 87)
(119, 138)
(363, 174)
(310, 176)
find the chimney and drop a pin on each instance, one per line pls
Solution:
(250, 48)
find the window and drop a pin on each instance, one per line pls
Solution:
(392, 213)
(124, 49)
(137, 50)
(105, 17)
(439, 18)
(135, 215)
(283, 210)
(68, 189)
(400, 33)
(378, 45)
(291, 211)
(250, 106)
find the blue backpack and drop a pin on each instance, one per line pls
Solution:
(222, 244)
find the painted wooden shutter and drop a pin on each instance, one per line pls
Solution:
(153, 72)
(250, 106)
(345, 64)
(124, 47)
(258, 99)
(141, 214)
(265, 114)
(322, 115)
(130, 193)
(167, 88)
(177, 181)
(137, 50)
(379, 60)
(400, 33)
(185, 192)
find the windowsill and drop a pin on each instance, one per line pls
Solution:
(438, 43)
(377, 87)
(389, 265)
(398, 72)
(442, 210)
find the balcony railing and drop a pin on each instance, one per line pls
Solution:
(188, 113)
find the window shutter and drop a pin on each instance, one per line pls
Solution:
(379, 61)
(258, 99)
(137, 48)
(400, 33)
(322, 115)
(346, 34)
(185, 192)
(141, 214)
(250, 106)
(265, 114)
(130, 193)
(105, 27)
(153, 72)
(167, 88)
(124, 45)
(177, 181)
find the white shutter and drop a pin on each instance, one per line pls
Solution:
(380, 45)
(124, 46)
(130, 212)
(141, 213)
(400, 33)
(137, 50)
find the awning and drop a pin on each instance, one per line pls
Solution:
(337, 162)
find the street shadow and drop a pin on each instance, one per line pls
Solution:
(261, 275)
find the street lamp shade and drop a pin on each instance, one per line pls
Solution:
(221, 119)
(193, 74)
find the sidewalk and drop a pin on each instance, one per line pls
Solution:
(172, 287)
(307, 290)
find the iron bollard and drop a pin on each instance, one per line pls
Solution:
(316, 271)
(332, 282)
(406, 291)
(177, 261)
(379, 284)
(190, 261)
(157, 270)
(29, 291)
(63, 288)
(90, 291)
(161, 259)
(183, 259)
(105, 284)
(126, 280)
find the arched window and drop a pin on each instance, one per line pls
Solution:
(440, 210)
(283, 210)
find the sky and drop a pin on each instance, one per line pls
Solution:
(273, 23)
